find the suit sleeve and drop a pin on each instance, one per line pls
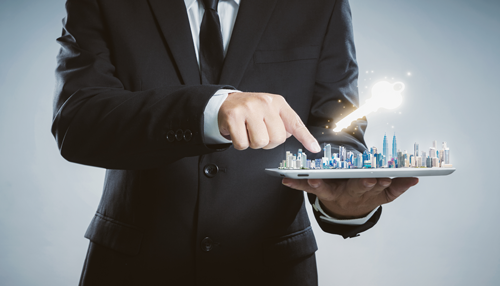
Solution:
(346, 231)
(335, 96)
(98, 122)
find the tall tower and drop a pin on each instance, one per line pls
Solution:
(394, 147)
(342, 153)
(328, 151)
(385, 150)
(415, 150)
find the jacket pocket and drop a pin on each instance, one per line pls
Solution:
(290, 247)
(113, 234)
(287, 55)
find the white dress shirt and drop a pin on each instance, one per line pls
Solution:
(228, 11)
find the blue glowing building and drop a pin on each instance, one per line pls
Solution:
(385, 150)
(370, 158)
(394, 154)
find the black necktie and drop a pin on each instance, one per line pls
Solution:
(211, 50)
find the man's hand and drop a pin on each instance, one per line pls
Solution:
(352, 198)
(262, 120)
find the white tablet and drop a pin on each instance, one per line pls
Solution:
(358, 173)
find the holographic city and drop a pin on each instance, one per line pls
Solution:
(371, 158)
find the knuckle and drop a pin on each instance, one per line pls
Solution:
(267, 98)
(248, 104)
(283, 137)
(277, 140)
(270, 99)
(275, 143)
(279, 98)
(296, 122)
(259, 143)
(240, 146)
(297, 125)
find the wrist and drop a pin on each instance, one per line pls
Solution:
(212, 133)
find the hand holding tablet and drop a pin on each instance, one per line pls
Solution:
(353, 198)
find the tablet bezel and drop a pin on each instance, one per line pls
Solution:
(358, 173)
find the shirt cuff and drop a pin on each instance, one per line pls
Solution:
(211, 114)
(356, 221)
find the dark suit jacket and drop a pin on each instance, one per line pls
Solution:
(174, 209)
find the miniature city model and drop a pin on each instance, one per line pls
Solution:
(373, 159)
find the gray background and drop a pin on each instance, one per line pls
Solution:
(444, 231)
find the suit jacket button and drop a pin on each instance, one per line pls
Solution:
(207, 244)
(188, 135)
(170, 136)
(210, 170)
(179, 134)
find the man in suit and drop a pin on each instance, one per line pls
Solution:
(149, 92)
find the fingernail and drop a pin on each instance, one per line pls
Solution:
(288, 184)
(315, 147)
(315, 185)
(368, 184)
(385, 183)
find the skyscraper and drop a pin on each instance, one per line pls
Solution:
(342, 153)
(384, 150)
(432, 152)
(446, 153)
(394, 147)
(328, 151)
(348, 160)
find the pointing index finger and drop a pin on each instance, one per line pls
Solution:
(295, 126)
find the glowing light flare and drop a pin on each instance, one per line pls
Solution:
(384, 94)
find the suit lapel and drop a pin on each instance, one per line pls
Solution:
(174, 24)
(252, 19)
